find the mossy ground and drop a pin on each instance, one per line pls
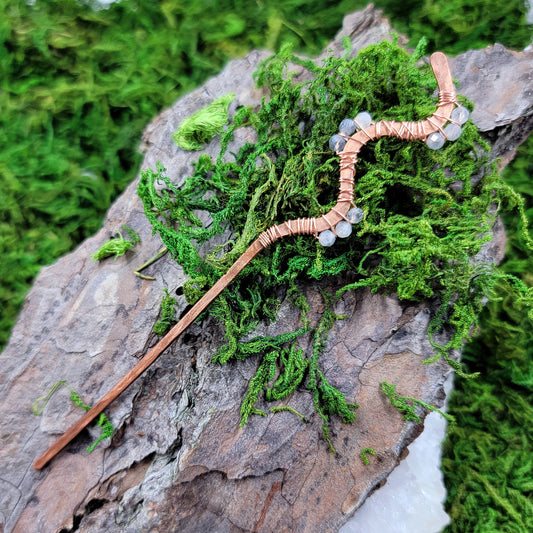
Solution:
(77, 87)
(488, 453)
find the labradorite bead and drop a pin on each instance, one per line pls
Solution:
(347, 126)
(355, 215)
(452, 131)
(326, 238)
(435, 140)
(460, 114)
(343, 229)
(337, 143)
(363, 120)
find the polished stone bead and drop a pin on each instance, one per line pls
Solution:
(355, 215)
(435, 140)
(460, 114)
(452, 131)
(363, 120)
(343, 229)
(347, 126)
(326, 238)
(337, 143)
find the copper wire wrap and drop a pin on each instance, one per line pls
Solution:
(447, 97)
(347, 161)
(406, 130)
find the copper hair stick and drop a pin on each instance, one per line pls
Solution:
(336, 223)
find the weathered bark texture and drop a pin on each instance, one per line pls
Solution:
(179, 461)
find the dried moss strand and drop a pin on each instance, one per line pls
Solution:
(40, 403)
(406, 405)
(282, 408)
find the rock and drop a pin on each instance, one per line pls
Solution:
(411, 500)
(500, 83)
(179, 461)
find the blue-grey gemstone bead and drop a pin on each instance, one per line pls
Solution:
(435, 140)
(452, 131)
(355, 215)
(343, 229)
(337, 143)
(363, 120)
(326, 238)
(460, 114)
(347, 126)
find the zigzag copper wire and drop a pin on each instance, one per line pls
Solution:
(447, 101)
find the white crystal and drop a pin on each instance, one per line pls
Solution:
(452, 131)
(326, 238)
(347, 126)
(411, 500)
(337, 143)
(460, 114)
(343, 229)
(435, 140)
(363, 120)
(355, 215)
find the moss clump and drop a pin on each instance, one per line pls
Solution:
(427, 213)
(117, 246)
(196, 131)
(364, 455)
(167, 317)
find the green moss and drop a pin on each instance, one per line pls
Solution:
(167, 317)
(79, 85)
(117, 246)
(196, 131)
(364, 455)
(426, 216)
(281, 408)
(487, 457)
(455, 26)
(406, 405)
(103, 422)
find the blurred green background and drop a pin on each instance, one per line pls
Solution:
(78, 84)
